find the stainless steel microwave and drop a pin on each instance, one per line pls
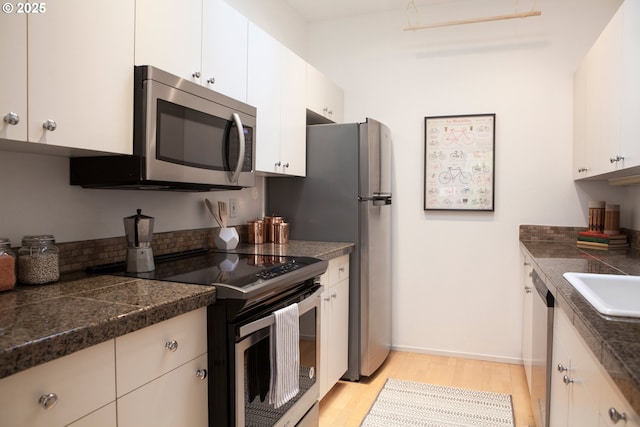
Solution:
(186, 137)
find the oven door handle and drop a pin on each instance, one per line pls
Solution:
(307, 304)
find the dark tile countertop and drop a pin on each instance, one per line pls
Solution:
(41, 323)
(615, 341)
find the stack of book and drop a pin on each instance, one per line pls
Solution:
(594, 240)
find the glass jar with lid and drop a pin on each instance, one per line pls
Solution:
(38, 260)
(7, 265)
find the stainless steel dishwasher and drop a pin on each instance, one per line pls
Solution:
(537, 344)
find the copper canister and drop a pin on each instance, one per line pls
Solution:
(612, 219)
(281, 233)
(255, 231)
(269, 224)
(596, 216)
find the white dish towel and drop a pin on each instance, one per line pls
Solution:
(285, 356)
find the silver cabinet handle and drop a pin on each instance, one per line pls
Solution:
(562, 368)
(211, 80)
(279, 163)
(171, 345)
(202, 374)
(286, 165)
(50, 125)
(327, 298)
(616, 159)
(616, 416)
(567, 380)
(12, 118)
(196, 74)
(527, 289)
(48, 401)
(333, 295)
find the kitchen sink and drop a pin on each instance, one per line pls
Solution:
(610, 294)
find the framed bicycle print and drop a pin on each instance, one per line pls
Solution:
(459, 162)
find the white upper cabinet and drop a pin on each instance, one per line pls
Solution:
(630, 111)
(607, 100)
(324, 97)
(224, 49)
(293, 117)
(580, 121)
(13, 77)
(276, 87)
(603, 99)
(76, 59)
(168, 35)
(203, 41)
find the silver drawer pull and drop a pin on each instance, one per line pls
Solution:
(617, 416)
(562, 368)
(567, 380)
(171, 345)
(50, 125)
(12, 119)
(48, 401)
(202, 374)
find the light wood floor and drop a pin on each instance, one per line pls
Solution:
(347, 403)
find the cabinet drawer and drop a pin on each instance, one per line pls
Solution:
(338, 269)
(144, 355)
(82, 382)
(178, 398)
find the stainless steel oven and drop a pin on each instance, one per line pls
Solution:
(252, 362)
(240, 331)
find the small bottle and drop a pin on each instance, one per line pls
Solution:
(7, 266)
(38, 260)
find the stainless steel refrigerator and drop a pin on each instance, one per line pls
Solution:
(346, 197)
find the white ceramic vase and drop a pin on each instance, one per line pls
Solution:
(226, 238)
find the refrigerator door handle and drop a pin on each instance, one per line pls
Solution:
(377, 200)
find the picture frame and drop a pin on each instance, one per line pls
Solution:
(459, 163)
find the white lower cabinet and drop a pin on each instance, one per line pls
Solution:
(70, 387)
(334, 329)
(581, 390)
(161, 373)
(156, 376)
(177, 398)
(148, 353)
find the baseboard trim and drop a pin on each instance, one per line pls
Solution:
(485, 357)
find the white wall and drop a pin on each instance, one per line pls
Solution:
(456, 274)
(37, 199)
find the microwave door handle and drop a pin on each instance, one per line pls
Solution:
(238, 122)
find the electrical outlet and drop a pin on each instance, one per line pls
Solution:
(233, 208)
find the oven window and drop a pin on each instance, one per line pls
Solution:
(257, 410)
(193, 138)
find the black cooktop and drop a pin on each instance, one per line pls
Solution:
(235, 275)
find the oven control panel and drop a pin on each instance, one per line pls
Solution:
(279, 270)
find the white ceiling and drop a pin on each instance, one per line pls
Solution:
(322, 10)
